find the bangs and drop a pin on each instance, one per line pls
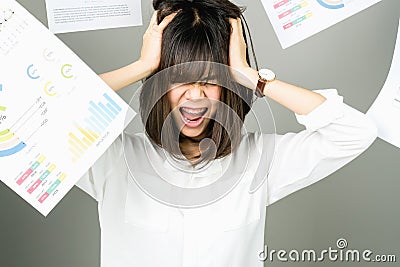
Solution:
(191, 52)
(197, 71)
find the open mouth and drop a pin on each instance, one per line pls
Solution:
(193, 117)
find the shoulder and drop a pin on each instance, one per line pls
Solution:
(115, 154)
(260, 140)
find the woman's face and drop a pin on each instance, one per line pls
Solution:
(193, 104)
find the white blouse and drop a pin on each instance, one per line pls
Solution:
(137, 230)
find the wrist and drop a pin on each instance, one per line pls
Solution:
(145, 69)
(247, 77)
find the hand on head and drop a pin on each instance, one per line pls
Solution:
(240, 69)
(237, 46)
(152, 39)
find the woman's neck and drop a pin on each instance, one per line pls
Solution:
(190, 146)
(190, 149)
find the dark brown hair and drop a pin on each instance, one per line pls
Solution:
(199, 32)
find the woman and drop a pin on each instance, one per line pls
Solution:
(143, 225)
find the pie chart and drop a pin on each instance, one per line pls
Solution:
(331, 4)
(9, 144)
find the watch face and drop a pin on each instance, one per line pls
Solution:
(267, 74)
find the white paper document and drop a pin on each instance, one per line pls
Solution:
(385, 111)
(84, 15)
(57, 117)
(296, 20)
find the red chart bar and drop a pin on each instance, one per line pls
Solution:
(34, 186)
(43, 197)
(281, 3)
(24, 176)
(287, 26)
(284, 14)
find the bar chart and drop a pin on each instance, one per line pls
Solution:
(86, 133)
(291, 13)
(57, 116)
(49, 178)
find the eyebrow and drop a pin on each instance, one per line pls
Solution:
(208, 78)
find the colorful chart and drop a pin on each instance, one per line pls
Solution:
(31, 169)
(100, 117)
(331, 4)
(50, 89)
(48, 180)
(32, 72)
(66, 71)
(10, 144)
(291, 14)
(53, 110)
(52, 188)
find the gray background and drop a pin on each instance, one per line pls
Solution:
(359, 202)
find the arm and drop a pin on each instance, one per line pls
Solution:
(149, 59)
(335, 133)
(93, 181)
(299, 100)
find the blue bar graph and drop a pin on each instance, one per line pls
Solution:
(112, 102)
(112, 109)
(98, 117)
(99, 110)
(103, 113)
(106, 110)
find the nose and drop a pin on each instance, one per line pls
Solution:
(195, 90)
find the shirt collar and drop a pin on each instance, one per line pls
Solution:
(202, 170)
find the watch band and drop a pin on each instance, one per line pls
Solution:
(264, 76)
(260, 87)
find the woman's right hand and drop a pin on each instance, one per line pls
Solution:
(152, 39)
(148, 61)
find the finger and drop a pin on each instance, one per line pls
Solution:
(240, 26)
(234, 24)
(153, 20)
(163, 24)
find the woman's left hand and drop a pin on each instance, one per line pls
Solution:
(237, 46)
(241, 71)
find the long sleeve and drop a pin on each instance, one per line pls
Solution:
(335, 134)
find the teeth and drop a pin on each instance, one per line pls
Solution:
(194, 111)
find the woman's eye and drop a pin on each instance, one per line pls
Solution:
(209, 83)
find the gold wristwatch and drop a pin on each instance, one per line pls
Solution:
(264, 76)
